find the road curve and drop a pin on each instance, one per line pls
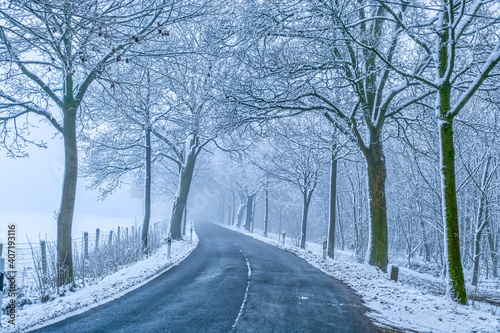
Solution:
(230, 283)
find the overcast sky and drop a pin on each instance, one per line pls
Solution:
(31, 190)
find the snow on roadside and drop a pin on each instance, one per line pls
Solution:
(111, 287)
(399, 305)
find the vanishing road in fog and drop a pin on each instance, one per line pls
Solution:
(212, 291)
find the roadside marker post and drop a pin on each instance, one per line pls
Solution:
(394, 273)
(324, 248)
(283, 237)
(169, 247)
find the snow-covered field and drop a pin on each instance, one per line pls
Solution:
(411, 305)
(110, 288)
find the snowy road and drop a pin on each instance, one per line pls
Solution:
(230, 283)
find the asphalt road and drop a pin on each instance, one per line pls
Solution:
(212, 291)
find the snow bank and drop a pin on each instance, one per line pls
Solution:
(111, 287)
(407, 305)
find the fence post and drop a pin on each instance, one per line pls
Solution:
(126, 233)
(118, 235)
(97, 232)
(110, 239)
(43, 253)
(85, 245)
(283, 237)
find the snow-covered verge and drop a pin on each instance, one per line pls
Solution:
(405, 306)
(111, 287)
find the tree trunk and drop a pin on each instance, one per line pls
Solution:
(427, 250)
(253, 213)
(67, 206)
(222, 201)
(477, 249)
(307, 200)
(280, 213)
(147, 194)
(266, 209)
(480, 225)
(355, 221)
(333, 196)
(341, 227)
(494, 256)
(456, 284)
(377, 174)
(180, 199)
(239, 215)
(233, 209)
(249, 216)
(184, 218)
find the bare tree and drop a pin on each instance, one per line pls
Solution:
(119, 138)
(293, 160)
(54, 51)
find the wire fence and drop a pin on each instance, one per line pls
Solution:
(95, 256)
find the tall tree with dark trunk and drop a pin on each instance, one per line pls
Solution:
(125, 142)
(455, 72)
(333, 76)
(333, 201)
(183, 126)
(186, 170)
(249, 216)
(266, 207)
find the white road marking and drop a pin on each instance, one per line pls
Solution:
(246, 293)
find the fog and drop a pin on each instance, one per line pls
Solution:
(31, 190)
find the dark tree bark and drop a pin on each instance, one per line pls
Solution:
(232, 209)
(425, 241)
(333, 197)
(377, 174)
(147, 191)
(239, 215)
(493, 252)
(266, 209)
(307, 195)
(67, 206)
(180, 198)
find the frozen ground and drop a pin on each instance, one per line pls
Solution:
(111, 287)
(414, 304)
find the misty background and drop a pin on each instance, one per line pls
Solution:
(31, 193)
